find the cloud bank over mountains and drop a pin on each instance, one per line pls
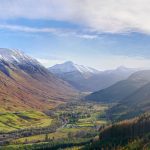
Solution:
(97, 16)
(73, 28)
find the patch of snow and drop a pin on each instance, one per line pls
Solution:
(70, 67)
(16, 56)
(84, 69)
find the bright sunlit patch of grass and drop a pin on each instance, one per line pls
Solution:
(41, 137)
(22, 120)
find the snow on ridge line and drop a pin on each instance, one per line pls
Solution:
(70, 66)
(83, 69)
(15, 55)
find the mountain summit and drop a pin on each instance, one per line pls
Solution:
(87, 79)
(26, 84)
(74, 74)
(15, 56)
(18, 59)
(69, 66)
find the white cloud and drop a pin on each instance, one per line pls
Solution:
(56, 31)
(28, 29)
(113, 16)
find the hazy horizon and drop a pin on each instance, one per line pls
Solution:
(119, 66)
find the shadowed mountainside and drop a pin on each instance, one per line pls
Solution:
(125, 135)
(87, 79)
(122, 89)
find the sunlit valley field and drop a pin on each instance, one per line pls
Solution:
(68, 125)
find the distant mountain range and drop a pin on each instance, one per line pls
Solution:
(69, 66)
(26, 84)
(87, 79)
(121, 89)
(133, 105)
(132, 96)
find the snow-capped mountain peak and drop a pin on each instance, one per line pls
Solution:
(71, 67)
(83, 69)
(15, 56)
(19, 60)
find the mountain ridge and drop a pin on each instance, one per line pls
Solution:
(90, 80)
(122, 89)
(130, 97)
(69, 66)
(26, 84)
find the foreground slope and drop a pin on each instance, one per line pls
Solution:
(26, 84)
(125, 135)
(88, 79)
(122, 89)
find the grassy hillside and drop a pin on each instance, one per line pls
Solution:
(131, 134)
(68, 125)
(23, 120)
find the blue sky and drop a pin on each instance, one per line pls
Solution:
(93, 33)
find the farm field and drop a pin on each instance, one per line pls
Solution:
(78, 121)
(23, 120)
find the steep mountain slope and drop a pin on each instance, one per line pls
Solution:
(107, 78)
(125, 135)
(133, 105)
(74, 74)
(122, 89)
(26, 84)
(88, 79)
(71, 67)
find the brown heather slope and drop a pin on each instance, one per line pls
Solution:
(29, 86)
(133, 134)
